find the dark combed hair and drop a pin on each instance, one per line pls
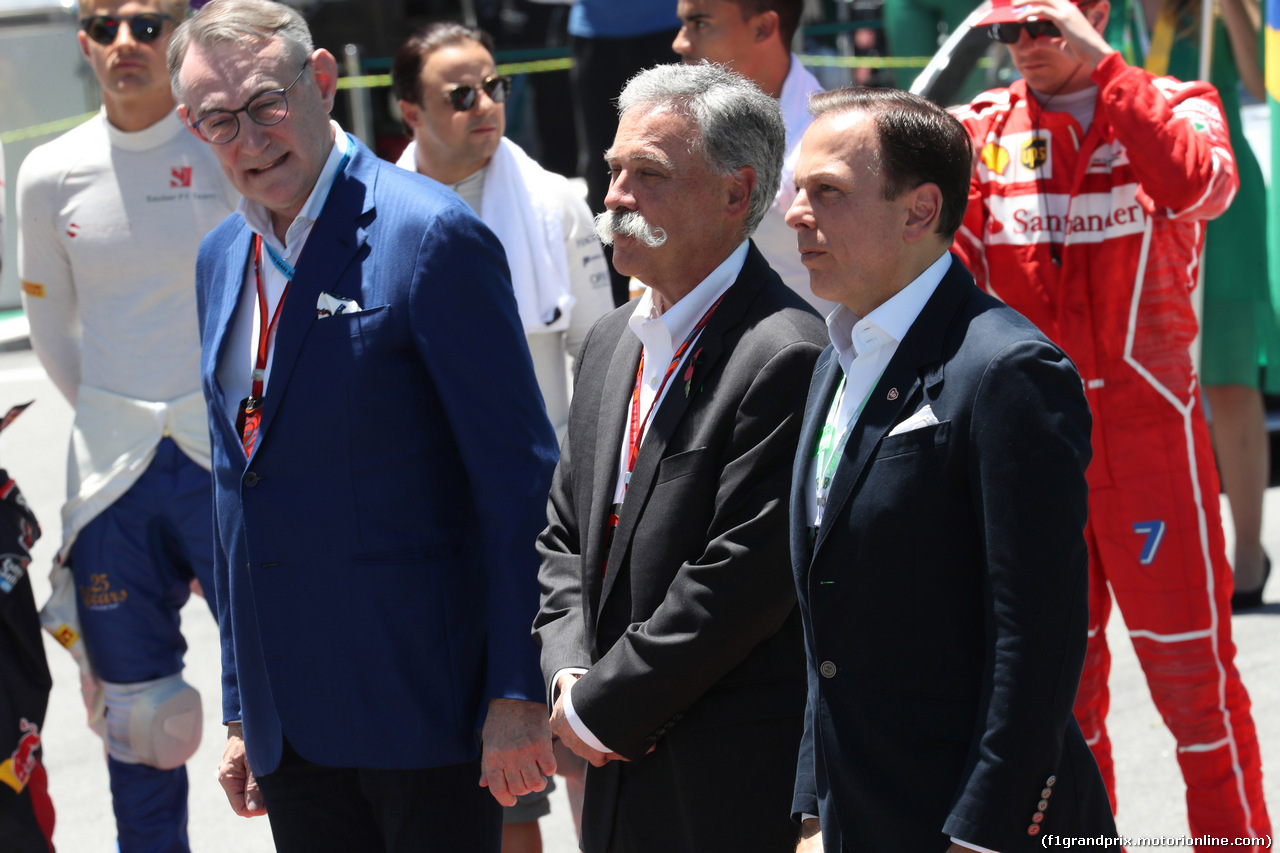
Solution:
(789, 12)
(406, 68)
(920, 143)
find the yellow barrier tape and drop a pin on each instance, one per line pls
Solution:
(374, 81)
(377, 81)
(823, 61)
(874, 61)
(536, 66)
(368, 81)
(47, 129)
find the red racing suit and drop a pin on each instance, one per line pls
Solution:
(1096, 238)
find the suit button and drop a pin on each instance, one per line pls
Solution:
(828, 669)
(1038, 817)
(250, 479)
(1051, 781)
(1045, 794)
(1042, 805)
(1034, 829)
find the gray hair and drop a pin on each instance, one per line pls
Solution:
(738, 124)
(238, 22)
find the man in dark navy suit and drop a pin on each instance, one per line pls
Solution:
(937, 512)
(381, 461)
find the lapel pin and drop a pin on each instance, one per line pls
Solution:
(893, 393)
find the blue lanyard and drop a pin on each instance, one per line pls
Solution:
(280, 263)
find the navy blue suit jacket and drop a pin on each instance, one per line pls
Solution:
(944, 602)
(375, 567)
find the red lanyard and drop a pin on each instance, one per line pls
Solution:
(266, 328)
(251, 406)
(637, 424)
(636, 431)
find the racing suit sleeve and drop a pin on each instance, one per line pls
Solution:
(48, 287)
(1196, 176)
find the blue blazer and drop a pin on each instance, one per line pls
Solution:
(945, 600)
(375, 569)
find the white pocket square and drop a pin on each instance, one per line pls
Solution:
(919, 420)
(329, 305)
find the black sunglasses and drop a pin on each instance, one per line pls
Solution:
(464, 97)
(146, 27)
(1010, 32)
(265, 110)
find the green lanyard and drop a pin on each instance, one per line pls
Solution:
(828, 452)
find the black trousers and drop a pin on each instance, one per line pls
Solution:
(601, 67)
(317, 809)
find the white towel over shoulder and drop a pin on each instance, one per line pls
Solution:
(523, 213)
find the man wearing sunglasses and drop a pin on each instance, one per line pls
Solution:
(381, 464)
(1092, 184)
(111, 215)
(453, 102)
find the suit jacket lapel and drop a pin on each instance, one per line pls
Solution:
(612, 420)
(335, 239)
(709, 348)
(223, 310)
(917, 364)
(822, 388)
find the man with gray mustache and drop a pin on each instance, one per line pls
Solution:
(670, 642)
(628, 223)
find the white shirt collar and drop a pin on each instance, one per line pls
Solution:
(146, 139)
(259, 218)
(662, 333)
(852, 335)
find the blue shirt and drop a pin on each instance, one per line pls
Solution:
(611, 19)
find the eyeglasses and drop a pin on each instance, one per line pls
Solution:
(464, 97)
(146, 27)
(1010, 32)
(265, 110)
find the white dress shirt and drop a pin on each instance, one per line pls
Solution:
(864, 346)
(236, 371)
(660, 336)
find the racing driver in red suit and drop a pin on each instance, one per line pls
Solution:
(1092, 184)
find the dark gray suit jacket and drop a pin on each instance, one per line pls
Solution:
(945, 600)
(690, 637)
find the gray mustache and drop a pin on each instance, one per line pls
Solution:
(629, 223)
